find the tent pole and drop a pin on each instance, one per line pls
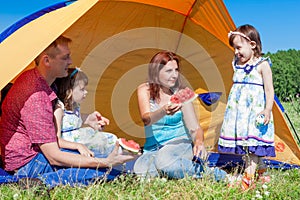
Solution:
(296, 134)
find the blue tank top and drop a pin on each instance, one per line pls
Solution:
(167, 128)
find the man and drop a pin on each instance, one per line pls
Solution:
(29, 144)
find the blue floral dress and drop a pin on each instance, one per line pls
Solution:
(239, 132)
(101, 143)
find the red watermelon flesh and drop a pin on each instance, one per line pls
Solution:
(175, 99)
(185, 95)
(129, 145)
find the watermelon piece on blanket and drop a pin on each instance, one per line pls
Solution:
(183, 96)
(129, 145)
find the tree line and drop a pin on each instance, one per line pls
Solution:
(286, 74)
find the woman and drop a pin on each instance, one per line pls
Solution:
(173, 134)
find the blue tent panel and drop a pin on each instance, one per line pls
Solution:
(210, 98)
(278, 103)
(10, 30)
(232, 160)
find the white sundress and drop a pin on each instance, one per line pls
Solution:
(246, 99)
(101, 143)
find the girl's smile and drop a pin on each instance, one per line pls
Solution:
(243, 49)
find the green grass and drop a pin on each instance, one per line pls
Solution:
(284, 185)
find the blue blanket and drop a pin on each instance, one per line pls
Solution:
(6, 177)
(214, 160)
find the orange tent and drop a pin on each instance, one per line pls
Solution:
(114, 40)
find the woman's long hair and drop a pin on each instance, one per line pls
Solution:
(158, 61)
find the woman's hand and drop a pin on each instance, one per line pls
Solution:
(199, 150)
(83, 150)
(172, 108)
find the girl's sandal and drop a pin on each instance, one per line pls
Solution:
(234, 181)
(247, 183)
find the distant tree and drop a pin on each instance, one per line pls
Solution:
(286, 73)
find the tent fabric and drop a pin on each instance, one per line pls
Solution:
(210, 98)
(221, 160)
(279, 104)
(113, 41)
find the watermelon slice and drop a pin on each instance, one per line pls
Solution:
(129, 145)
(183, 96)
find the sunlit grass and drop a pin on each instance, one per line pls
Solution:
(284, 185)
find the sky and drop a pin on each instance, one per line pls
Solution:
(276, 20)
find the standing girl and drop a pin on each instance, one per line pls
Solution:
(251, 95)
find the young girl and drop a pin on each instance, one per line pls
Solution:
(251, 96)
(71, 91)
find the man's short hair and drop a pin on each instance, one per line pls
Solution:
(52, 49)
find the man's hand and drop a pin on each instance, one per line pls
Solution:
(115, 158)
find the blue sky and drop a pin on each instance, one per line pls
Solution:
(276, 20)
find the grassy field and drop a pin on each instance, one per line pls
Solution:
(284, 185)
